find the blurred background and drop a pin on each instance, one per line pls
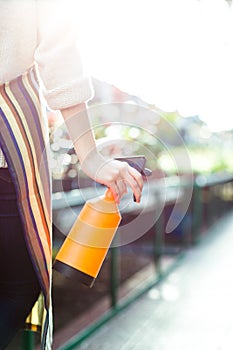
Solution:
(162, 74)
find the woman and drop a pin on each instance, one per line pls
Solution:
(39, 62)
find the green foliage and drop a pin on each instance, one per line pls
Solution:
(204, 160)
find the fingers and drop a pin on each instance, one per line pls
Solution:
(137, 177)
(118, 189)
(131, 177)
(115, 192)
(135, 181)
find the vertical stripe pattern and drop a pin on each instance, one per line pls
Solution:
(24, 141)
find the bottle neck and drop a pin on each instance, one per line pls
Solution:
(109, 195)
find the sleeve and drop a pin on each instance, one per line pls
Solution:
(65, 83)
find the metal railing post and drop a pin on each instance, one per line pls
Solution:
(28, 340)
(114, 276)
(197, 213)
(158, 242)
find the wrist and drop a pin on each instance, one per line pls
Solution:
(92, 163)
(73, 110)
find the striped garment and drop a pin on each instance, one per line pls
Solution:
(3, 163)
(24, 141)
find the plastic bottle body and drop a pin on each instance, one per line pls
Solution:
(85, 248)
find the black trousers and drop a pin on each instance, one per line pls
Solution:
(19, 287)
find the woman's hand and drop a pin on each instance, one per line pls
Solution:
(116, 175)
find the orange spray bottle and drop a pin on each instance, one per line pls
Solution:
(85, 248)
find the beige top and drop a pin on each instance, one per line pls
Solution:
(43, 32)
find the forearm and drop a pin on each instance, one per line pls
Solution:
(80, 131)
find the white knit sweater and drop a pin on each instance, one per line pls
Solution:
(43, 32)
